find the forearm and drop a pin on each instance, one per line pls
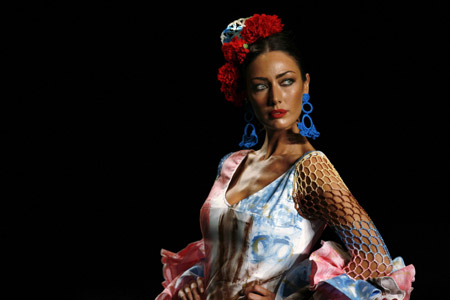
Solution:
(370, 256)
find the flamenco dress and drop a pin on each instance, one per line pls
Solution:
(267, 238)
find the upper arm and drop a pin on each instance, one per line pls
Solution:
(320, 193)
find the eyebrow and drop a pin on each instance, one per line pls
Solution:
(278, 76)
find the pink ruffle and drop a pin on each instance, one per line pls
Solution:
(329, 261)
(175, 264)
(404, 279)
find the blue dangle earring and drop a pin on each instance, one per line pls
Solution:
(249, 140)
(307, 108)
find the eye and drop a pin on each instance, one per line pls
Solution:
(287, 82)
(259, 87)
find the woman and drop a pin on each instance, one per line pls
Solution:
(268, 207)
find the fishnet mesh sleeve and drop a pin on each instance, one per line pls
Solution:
(320, 193)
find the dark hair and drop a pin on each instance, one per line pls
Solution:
(282, 41)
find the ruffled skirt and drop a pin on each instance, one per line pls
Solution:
(321, 277)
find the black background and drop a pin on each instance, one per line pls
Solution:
(114, 125)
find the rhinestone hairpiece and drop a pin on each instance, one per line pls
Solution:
(233, 29)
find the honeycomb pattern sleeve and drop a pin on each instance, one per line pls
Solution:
(366, 271)
(320, 193)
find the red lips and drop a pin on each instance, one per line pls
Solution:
(278, 113)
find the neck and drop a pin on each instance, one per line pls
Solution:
(284, 142)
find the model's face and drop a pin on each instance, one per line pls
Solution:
(275, 89)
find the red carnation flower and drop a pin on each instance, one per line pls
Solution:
(228, 73)
(235, 51)
(228, 76)
(260, 26)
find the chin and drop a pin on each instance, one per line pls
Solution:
(280, 125)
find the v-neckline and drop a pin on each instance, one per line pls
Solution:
(238, 165)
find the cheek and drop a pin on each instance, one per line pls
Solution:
(294, 100)
(259, 111)
(258, 102)
(295, 92)
(259, 98)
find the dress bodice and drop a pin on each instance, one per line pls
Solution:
(256, 239)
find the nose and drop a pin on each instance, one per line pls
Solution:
(275, 95)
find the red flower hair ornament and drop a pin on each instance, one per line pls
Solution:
(236, 39)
